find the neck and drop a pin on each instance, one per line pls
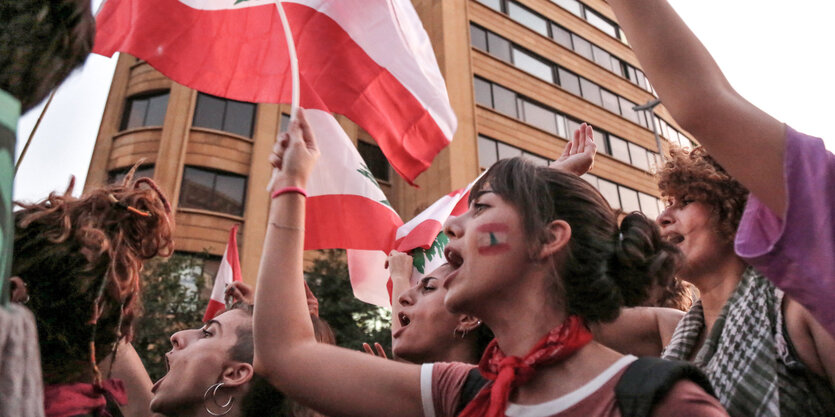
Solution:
(461, 350)
(716, 285)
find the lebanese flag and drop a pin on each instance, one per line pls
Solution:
(370, 60)
(346, 207)
(228, 272)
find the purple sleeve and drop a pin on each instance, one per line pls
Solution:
(798, 254)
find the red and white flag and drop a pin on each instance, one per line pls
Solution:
(370, 60)
(228, 272)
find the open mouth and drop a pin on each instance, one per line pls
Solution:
(404, 319)
(167, 369)
(453, 257)
(674, 238)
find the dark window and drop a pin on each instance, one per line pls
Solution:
(504, 101)
(591, 91)
(375, 160)
(213, 190)
(582, 47)
(284, 123)
(498, 46)
(610, 102)
(231, 116)
(199, 271)
(145, 110)
(569, 82)
(483, 95)
(478, 37)
(118, 174)
(562, 36)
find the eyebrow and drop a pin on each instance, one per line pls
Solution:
(211, 322)
(479, 193)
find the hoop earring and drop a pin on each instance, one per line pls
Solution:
(227, 406)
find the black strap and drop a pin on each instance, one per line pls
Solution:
(472, 385)
(647, 380)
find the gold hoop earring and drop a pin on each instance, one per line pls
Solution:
(227, 406)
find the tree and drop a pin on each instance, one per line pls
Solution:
(352, 320)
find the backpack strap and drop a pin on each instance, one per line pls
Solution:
(472, 385)
(647, 381)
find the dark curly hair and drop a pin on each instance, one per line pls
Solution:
(694, 175)
(81, 259)
(604, 266)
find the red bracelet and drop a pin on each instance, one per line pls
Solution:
(286, 190)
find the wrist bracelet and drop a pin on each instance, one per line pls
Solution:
(286, 190)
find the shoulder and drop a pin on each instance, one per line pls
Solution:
(687, 399)
(805, 335)
(440, 385)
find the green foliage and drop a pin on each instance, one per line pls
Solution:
(423, 256)
(173, 299)
(352, 320)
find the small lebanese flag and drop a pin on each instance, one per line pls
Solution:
(346, 208)
(229, 271)
(370, 60)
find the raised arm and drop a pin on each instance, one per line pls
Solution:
(744, 140)
(127, 367)
(578, 155)
(321, 376)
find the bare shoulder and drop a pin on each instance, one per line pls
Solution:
(808, 336)
(640, 331)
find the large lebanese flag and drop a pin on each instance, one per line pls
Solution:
(346, 207)
(228, 272)
(369, 60)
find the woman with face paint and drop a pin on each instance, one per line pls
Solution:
(537, 256)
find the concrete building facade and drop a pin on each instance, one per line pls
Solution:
(521, 75)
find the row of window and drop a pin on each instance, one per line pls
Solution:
(672, 134)
(595, 19)
(618, 196)
(552, 121)
(211, 112)
(546, 70)
(571, 40)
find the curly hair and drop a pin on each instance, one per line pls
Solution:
(694, 175)
(81, 259)
(605, 265)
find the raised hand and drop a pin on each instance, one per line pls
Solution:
(578, 155)
(379, 353)
(400, 266)
(294, 154)
(239, 292)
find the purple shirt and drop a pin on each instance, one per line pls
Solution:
(798, 253)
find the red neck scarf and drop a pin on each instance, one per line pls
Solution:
(509, 372)
(64, 400)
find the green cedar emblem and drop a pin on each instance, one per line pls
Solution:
(421, 256)
(367, 174)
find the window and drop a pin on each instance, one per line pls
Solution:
(213, 190)
(538, 160)
(591, 91)
(619, 149)
(571, 5)
(527, 18)
(145, 110)
(629, 200)
(602, 23)
(561, 126)
(498, 46)
(582, 47)
(118, 174)
(375, 160)
(284, 122)
(493, 4)
(600, 141)
(591, 179)
(569, 81)
(649, 205)
(539, 117)
(199, 268)
(504, 101)
(573, 125)
(639, 156)
(487, 153)
(602, 57)
(528, 63)
(483, 95)
(562, 36)
(610, 102)
(627, 111)
(609, 191)
(478, 37)
(507, 151)
(231, 116)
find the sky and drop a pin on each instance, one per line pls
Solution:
(777, 54)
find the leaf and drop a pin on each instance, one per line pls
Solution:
(422, 256)
(240, 1)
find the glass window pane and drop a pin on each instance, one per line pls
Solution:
(498, 46)
(591, 91)
(156, 110)
(591, 179)
(136, 113)
(239, 118)
(196, 189)
(562, 36)
(642, 79)
(600, 141)
(478, 37)
(527, 18)
(375, 160)
(610, 102)
(284, 123)
(117, 175)
(609, 191)
(617, 66)
(209, 112)
(629, 200)
(620, 150)
(626, 110)
(536, 159)
(601, 23)
(572, 126)
(569, 82)
(582, 47)
(493, 4)
(504, 101)
(229, 194)
(649, 206)
(540, 117)
(602, 57)
(561, 126)
(639, 156)
(487, 154)
(483, 95)
(526, 62)
(507, 151)
(571, 5)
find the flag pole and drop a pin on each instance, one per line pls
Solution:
(294, 61)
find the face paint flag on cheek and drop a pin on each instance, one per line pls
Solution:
(492, 239)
